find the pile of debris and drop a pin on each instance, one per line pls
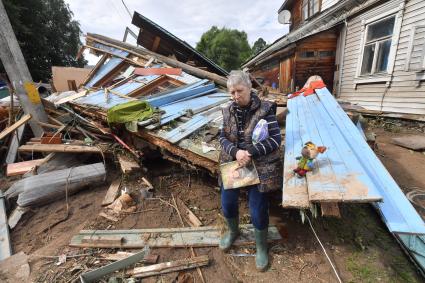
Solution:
(131, 102)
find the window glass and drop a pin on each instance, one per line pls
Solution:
(368, 53)
(305, 9)
(307, 54)
(383, 54)
(326, 53)
(380, 29)
(315, 6)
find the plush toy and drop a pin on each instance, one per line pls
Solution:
(305, 161)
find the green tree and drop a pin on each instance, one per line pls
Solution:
(47, 34)
(227, 47)
(258, 46)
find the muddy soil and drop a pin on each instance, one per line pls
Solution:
(358, 243)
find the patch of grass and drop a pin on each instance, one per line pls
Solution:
(361, 266)
(403, 270)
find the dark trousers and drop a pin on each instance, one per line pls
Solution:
(258, 205)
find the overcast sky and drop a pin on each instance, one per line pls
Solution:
(187, 19)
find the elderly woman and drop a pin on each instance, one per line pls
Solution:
(239, 120)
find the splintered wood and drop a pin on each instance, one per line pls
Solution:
(188, 215)
(127, 164)
(15, 126)
(112, 192)
(171, 266)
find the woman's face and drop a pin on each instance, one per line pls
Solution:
(241, 94)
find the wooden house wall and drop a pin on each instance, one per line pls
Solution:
(402, 93)
(269, 72)
(324, 67)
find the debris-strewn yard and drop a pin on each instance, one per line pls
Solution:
(358, 243)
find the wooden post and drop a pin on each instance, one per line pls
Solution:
(19, 75)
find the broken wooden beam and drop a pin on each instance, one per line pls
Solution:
(330, 209)
(188, 215)
(92, 39)
(127, 164)
(23, 167)
(47, 187)
(171, 266)
(59, 148)
(112, 192)
(15, 126)
(207, 236)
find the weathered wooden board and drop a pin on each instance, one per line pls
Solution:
(23, 167)
(330, 209)
(171, 266)
(5, 245)
(127, 164)
(59, 148)
(112, 192)
(188, 215)
(294, 194)
(162, 237)
(15, 126)
(415, 142)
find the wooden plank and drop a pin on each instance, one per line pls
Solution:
(59, 148)
(21, 168)
(97, 241)
(330, 209)
(112, 192)
(415, 142)
(5, 244)
(71, 97)
(294, 194)
(120, 255)
(207, 236)
(15, 126)
(337, 175)
(171, 266)
(12, 152)
(127, 164)
(398, 213)
(188, 215)
(158, 71)
(16, 215)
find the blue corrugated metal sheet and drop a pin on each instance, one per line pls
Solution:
(98, 100)
(398, 213)
(180, 94)
(107, 67)
(186, 129)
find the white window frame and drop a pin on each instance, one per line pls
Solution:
(410, 50)
(382, 76)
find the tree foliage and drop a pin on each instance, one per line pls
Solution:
(47, 34)
(227, 47)
(258, 46)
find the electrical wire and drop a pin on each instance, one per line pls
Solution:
(128, 11)
(324, 250)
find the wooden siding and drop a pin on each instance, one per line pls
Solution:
(269, 72)
(324, 67)
(402, 93)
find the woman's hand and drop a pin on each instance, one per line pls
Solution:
(243, 157)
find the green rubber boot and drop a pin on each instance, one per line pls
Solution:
(261, 257)
(230, 235)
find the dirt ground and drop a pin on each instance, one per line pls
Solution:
(358, 243)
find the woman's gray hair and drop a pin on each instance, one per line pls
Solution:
(239, 78)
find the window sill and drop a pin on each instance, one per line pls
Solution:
(370, 80)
